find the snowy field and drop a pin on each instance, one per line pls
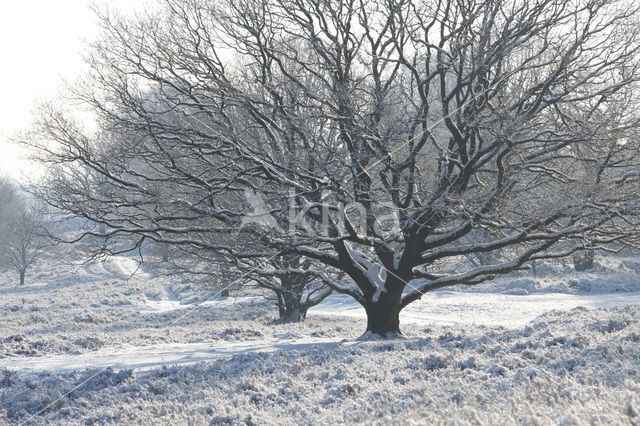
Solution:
(109, 342)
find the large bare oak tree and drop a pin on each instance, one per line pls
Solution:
(384, 137)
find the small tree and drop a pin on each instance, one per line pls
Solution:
(295, 286)
(293, 283)
(22, 231)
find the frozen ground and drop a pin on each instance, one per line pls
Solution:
(111, 343)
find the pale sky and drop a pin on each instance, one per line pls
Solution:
(40, 44)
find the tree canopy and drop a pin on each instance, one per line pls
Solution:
(386, 140)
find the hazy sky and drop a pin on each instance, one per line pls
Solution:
(40, 43)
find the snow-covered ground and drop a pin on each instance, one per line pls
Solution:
(113, 342)
(491, 309)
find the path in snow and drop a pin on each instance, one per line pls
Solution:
(116, 266)
(149, 357)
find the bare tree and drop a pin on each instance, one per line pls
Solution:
(22, 232)
(294, 287)
(381, 135)
(293, 292)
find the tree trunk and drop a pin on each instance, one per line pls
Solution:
(583, 261)
(164, 250)
(290, 307)
(289, 297)
(294, 314)
(22, 272)
(383, 315)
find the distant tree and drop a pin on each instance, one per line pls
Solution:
(502, 129)
(22, 230)
(291, 281)
(295, 288)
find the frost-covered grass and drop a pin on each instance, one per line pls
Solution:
(69, 308)
(571, 366)
(576, 367)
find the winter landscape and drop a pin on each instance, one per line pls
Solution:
(328, 212)
(109, 342)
